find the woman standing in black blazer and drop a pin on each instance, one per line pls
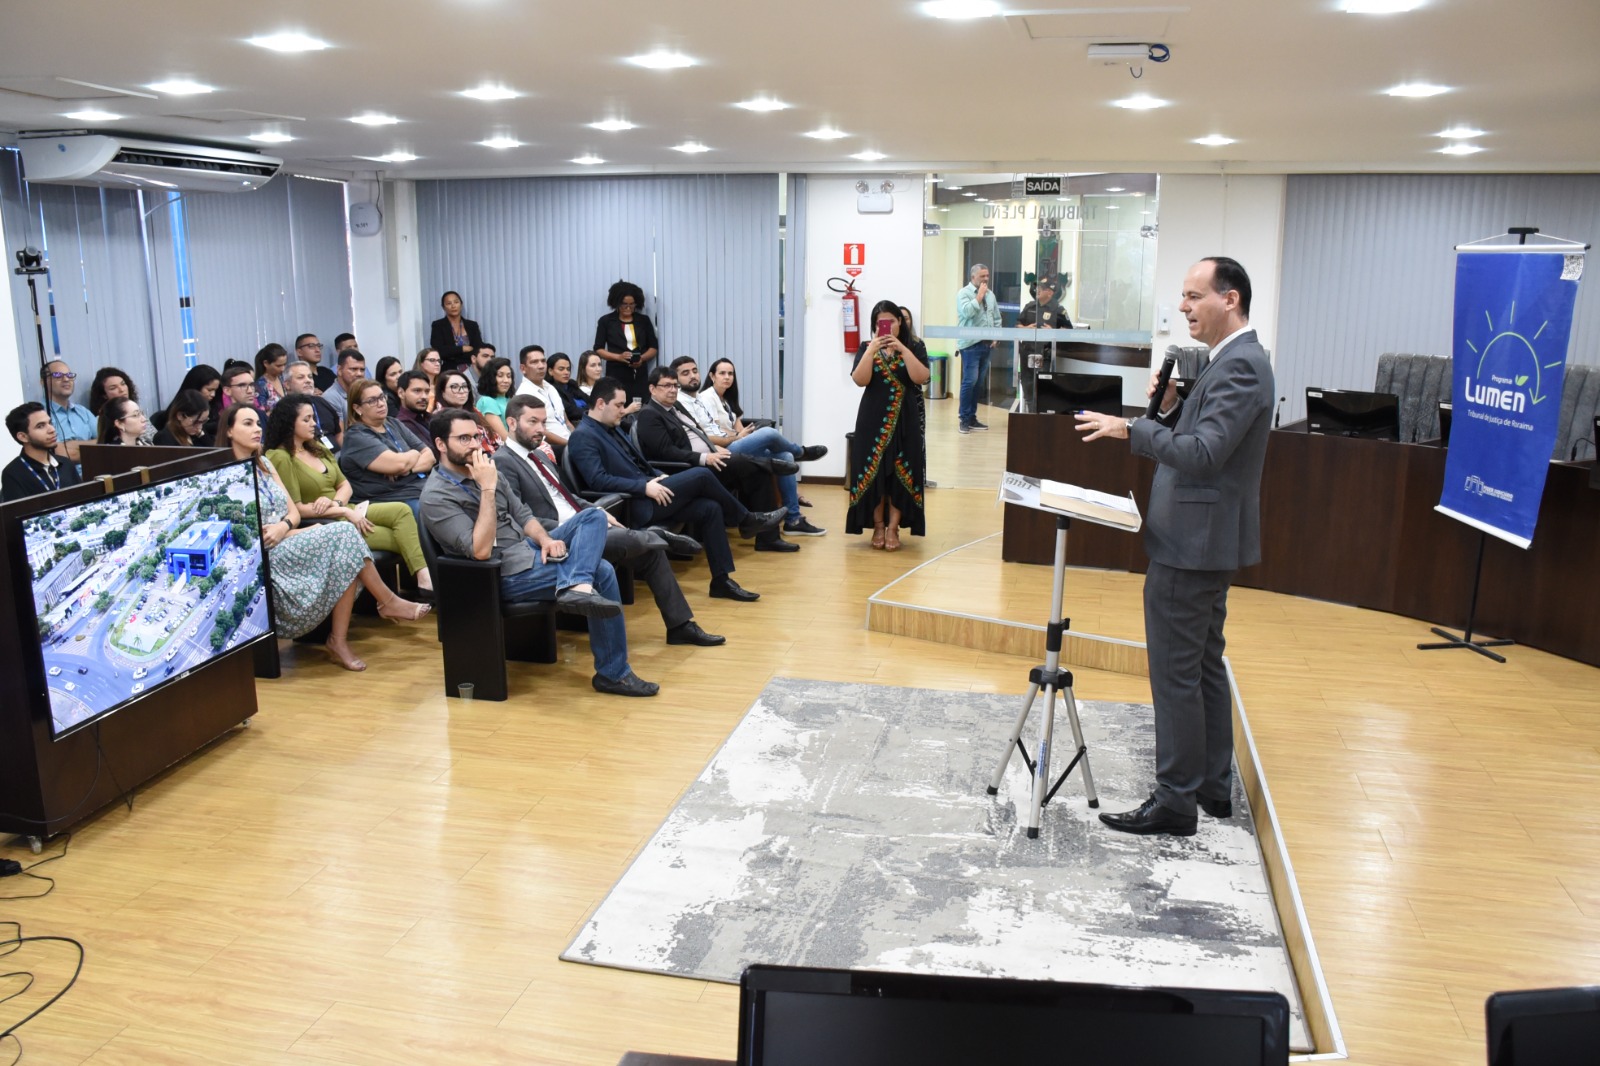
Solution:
(625, 338)
(454, 337)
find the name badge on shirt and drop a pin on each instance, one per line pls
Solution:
(323, 440)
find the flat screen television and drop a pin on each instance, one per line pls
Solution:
(796, 1016)
(1065, 394)
(1347, 413)
(1543, 1027)
(133, 589)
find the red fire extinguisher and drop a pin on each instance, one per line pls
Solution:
(849, 313)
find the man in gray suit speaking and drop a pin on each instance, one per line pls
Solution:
(1204, 523)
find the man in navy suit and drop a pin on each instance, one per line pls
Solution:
(1204, 523)
(607, 461)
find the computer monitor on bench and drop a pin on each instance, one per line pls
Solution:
(1346, 413)
(1066, 394)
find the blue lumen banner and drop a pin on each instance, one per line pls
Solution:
(1513, 321)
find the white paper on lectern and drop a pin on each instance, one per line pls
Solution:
(1023, 491)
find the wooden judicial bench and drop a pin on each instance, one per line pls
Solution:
(1350, 521)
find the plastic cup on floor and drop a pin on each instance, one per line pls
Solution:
(465, 690)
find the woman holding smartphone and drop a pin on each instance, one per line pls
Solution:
(888, 462)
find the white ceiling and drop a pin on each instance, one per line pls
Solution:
(1297, 82)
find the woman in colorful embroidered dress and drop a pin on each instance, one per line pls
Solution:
(887, 460)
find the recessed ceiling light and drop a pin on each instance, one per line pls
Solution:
(490, 92)
(763, 103)
(271, 137)
(372, 118)
(1416, 90)
(392, 157)
(961, 9)
(613, 125)
(588, 160)
(1141, 102)
(981, 200)
(181, 87)
(954, 188)
(1461, 149)
(288, 42)
(1459, 133)
(869, 156)
(1112, 207)
(1379, 7)
(690, 148)
(661, 60)
(1215, 140)
(501, 141)
(90, 114)
(1115, 188)
(828, 133)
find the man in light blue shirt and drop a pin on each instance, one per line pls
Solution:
(74, 423)
(976, 308)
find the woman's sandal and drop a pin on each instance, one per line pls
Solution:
(891, 539)
(351, 663)
(394, 612)
(877, 537)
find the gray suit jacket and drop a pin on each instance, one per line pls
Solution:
(1205, 503)
(528, 487)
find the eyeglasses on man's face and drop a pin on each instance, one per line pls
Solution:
(310, 344)
(247, 386)
(666, 385)
(63, 375)
(468, 438)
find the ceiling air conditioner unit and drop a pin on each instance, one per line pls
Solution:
(79, 157)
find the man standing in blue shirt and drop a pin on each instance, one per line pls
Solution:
(74, 424)
(976, 308)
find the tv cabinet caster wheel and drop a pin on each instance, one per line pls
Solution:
(35, 845)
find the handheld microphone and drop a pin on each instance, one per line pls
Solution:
(1277, 417)
(1162, 378)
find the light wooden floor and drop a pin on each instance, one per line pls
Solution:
(371, 873)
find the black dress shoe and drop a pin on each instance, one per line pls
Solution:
(690, 633)
(631, 685)
(761, 521)
(1222, 808)
(1151, 817)
(774, 465)
(812, 453)
(774, 543)
(589, 604)
(726, 588)
(677, 543)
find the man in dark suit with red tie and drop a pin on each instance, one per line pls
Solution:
(607, 461)
(538, 484)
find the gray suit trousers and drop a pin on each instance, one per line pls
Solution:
(1184, 611)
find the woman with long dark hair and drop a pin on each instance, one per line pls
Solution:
(388, 374)
(271, 361)
(316, 571)
(453, 388)
(121, 422)
(311, 476)
(454, 337)
(888, 463)
(112, 384)
(494, 392)
(185, 425)
(559, 373)
(626, 338)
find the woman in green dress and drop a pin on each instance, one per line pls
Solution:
(312, 477)
(317, 571)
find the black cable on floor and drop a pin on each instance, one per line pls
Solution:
(27, 871)
(12, 944)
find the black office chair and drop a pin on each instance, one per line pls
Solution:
(478, 632)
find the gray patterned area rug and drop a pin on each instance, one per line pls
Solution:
(848, 825)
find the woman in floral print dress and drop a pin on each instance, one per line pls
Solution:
(888, 461)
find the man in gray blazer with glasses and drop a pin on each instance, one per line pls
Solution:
(1204, 523)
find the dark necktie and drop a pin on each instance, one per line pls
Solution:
(691, 426)
(555, 482)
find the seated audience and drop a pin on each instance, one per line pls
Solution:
(112, 384)
(388, 375)
(299, 381)
(536, 383)
(535, 481)
(343, 341)
(669, 434)
(316, 570)
(352, 368)
(382, 458)
(429, 363)
(591, 368)
(238, 386)
(311, 475)
(453, 389)
(558, 372)
(416, 404)
(764, 443)
(309, 350)
(271, 361)
(471, 513)
(208, 383)
(607, 461)
(480, 359)
(185, 424)
(37, 469)
(494, 389)
(121, 422)
(74, 423)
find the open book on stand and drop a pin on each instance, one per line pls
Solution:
(1057, 497)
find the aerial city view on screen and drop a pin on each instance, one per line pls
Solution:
(137, 588)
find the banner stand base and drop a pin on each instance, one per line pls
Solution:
(1465, 640)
